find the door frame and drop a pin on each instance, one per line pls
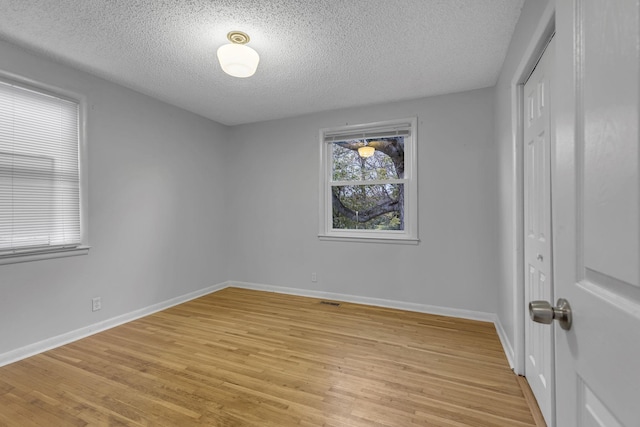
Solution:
(539, 40)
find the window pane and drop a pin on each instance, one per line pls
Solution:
(26, 200)
(368, 207)
(39, 170)
(387, 161)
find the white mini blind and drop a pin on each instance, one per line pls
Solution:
(352, 133)
(39, 170)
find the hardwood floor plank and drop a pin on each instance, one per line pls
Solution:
(248, 358)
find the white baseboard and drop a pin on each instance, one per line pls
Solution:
(379, 302)
(59, 340)
(504, 339)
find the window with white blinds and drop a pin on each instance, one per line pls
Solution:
(39, 171)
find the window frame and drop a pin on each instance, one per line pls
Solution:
(407, 236)
(42, 253)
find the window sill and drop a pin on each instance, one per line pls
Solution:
(43, 254)
(388, 240)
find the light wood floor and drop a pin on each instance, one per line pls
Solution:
(248, 358)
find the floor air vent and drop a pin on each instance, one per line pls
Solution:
(335, 304)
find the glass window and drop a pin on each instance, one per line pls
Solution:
(39, 172)
(368, 182)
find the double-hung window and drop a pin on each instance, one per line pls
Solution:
(368, 182)
(40, 213)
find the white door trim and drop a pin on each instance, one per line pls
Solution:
(541, 36)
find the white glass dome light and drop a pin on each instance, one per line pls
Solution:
(237, 59)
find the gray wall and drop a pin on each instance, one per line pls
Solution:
(274, 208)
(504, 131)
(178, 203)
(157, 182)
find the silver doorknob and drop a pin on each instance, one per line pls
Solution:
(543, 312)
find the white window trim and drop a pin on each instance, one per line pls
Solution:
(62, 252)
(37, 254)
(410, 234)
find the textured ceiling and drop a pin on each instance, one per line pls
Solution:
(315, 55)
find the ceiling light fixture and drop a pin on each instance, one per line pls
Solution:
(366, 150)
(237, 59)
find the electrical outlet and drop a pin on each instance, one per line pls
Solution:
(314, 277)
(96, 304)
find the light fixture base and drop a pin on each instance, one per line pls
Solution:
(238, 37)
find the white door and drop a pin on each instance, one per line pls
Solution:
(596, 207)
(538, 135)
